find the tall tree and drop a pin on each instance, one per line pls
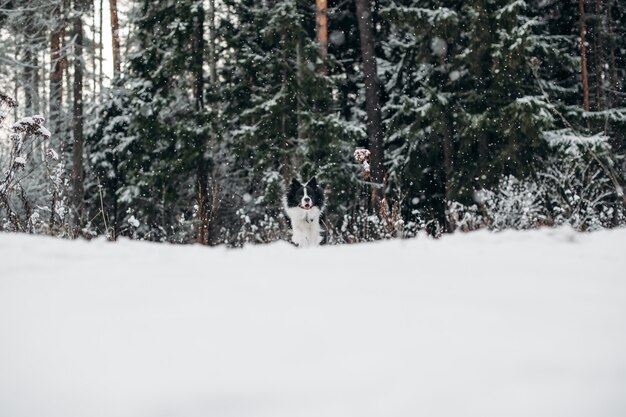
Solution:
(211, 46)
(148, 151)
(613, 85)
(599, 59)
(202, 182)
(56, 74)
(372, 95)
(321, 29)
(100, 46)
(77, 115)
(115, 37)
(281, 117)
(583, 54)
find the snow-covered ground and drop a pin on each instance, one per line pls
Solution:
(512, 324)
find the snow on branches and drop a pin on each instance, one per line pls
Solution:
(32, 125)
(6, 103)
(26, 135)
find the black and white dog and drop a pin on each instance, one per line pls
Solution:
(304, 204)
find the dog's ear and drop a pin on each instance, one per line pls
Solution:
(312, 182)
(295, 182)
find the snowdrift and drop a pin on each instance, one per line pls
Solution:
(481, 324)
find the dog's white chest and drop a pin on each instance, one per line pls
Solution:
(305, 226)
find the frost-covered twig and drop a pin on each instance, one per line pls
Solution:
(109, 233)
(6, 103)
(24, 133)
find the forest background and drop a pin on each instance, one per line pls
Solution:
(476, 114)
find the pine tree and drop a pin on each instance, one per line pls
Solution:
(424, 74)
(152, 132)
(465, 108)
(281, 118)
(372, 92)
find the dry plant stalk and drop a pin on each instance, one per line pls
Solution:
(362, 156)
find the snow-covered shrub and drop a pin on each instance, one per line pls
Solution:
(263, 229)
(517, 204)
(26, 151)
(465, 218)
(361, 226)
(579, 190)
(577, 185)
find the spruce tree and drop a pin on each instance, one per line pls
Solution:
(152, 137)
(282, 119)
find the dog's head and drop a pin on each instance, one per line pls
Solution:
(306, 196)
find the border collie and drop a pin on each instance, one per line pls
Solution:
(304, 204)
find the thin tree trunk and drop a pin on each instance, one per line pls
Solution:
(100, 47)
(598, 54)
(56, 95)
(612, 63)
(28, 80)
(29, 61)
(77, 117)
(65, 63)
(31, 81)
(43, 76)
(17, 82)
(583, 55)
(94, 72)
(372, 95)
(115, 35)
(36, 81)
(286, 107)
(212, 38)
(446, 145)
(202, 232)
(321, 28)
(299, 84)
(447, 150)
(213, 209)
(31, 70)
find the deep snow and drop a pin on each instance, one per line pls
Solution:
(511, 324)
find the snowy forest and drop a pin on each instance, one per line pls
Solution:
(481, 114)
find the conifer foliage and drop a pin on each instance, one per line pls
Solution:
(483, 114)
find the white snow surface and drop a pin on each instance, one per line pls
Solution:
(481, 324)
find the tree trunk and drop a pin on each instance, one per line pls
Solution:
(94, 72)
(66, 44)
(30, 66)
(43, 74)
(446, 145)
(115, 35)
(77, 117)
(372, 98)
(583, 55)
(100, 46)
(447, 150)
(17, 82)
(56, 75)
(286, 108)
(56, 98)
(212, 37)
(202, 194)
(321, 28)
(31, 81)
(299, 92)
(612, 63)
(598, 55)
